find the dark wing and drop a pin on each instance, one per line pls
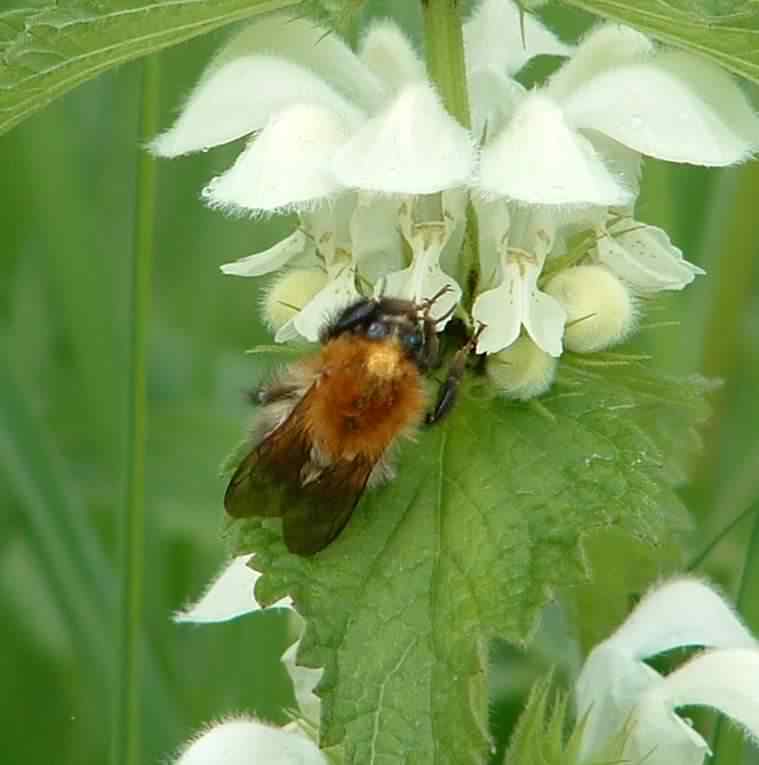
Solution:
(261, 480)
(269, 483)
(321, 508)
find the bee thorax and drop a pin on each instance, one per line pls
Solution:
(384, 361)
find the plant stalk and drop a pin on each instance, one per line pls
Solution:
(127, 741)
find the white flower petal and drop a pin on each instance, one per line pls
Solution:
(338, 294)
(539, 159)
(389, 55)
(269, 260)
(413, 147)
(494, 98)
(424, 277)
(623, 162)
(376, 242)
(493, 38)
(606, 47)
(501, 311)
(675, 106)
(607, 691)
(304, 681)
(230, 595)
(725, 680)
(682, 612)
(644, 257)
(493, 224)
(269, 65)
(286, 165)
(243, 742)
(240, 97)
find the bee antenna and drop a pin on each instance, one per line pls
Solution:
(427, 303)
(447, 315)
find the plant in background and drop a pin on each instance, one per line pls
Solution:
(515, 216)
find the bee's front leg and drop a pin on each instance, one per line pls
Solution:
(448, 390)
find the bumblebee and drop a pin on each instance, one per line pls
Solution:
(327, 425)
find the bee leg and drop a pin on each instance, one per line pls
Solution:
(448, 390)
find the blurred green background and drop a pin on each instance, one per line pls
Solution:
(68, 206)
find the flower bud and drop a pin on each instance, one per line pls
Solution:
(600, 309)
(289, 294)
(522, 370)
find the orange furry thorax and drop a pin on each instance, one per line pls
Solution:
(367, 392)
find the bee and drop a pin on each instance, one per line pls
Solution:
(326, 426)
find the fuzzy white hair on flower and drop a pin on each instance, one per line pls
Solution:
(617, 688)
(244, 741)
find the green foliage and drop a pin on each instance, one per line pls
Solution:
(727, 31)
(541, 735)
(47, 51)
(484, 522)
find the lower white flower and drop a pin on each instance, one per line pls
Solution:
(643, 256)
(526, 238)
(247, 741)
(616, 688)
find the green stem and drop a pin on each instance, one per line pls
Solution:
(444, 47)
(446, 66)
(728, 739)
(127, 720)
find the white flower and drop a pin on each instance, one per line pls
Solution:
(524, 238)
(424, 277)
(639, 100)
(229, 595)
(351, 142)
(247, 741)
(616, 687)
(325, 120)
(643, 256)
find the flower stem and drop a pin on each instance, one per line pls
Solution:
(126, 742)
(446, 66)
(444, 47)
(728, 739)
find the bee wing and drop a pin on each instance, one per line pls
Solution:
(261, 480)
(322, 507)
(269, 482)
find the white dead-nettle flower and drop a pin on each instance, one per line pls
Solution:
(247, 740)
(523, 370)
(617, 688)
(600, 309)
(521, 238)
(642, 256)
(381, 176)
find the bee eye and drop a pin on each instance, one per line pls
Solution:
(412, 341)
(376, 330)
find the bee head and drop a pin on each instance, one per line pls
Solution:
(388, 319)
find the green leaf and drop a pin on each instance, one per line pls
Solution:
(46, 52)
(482, 525)
(540, 737)
(726, 31)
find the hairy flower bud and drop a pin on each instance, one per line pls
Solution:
(522, 370)
(600, 309)
(289, 293)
